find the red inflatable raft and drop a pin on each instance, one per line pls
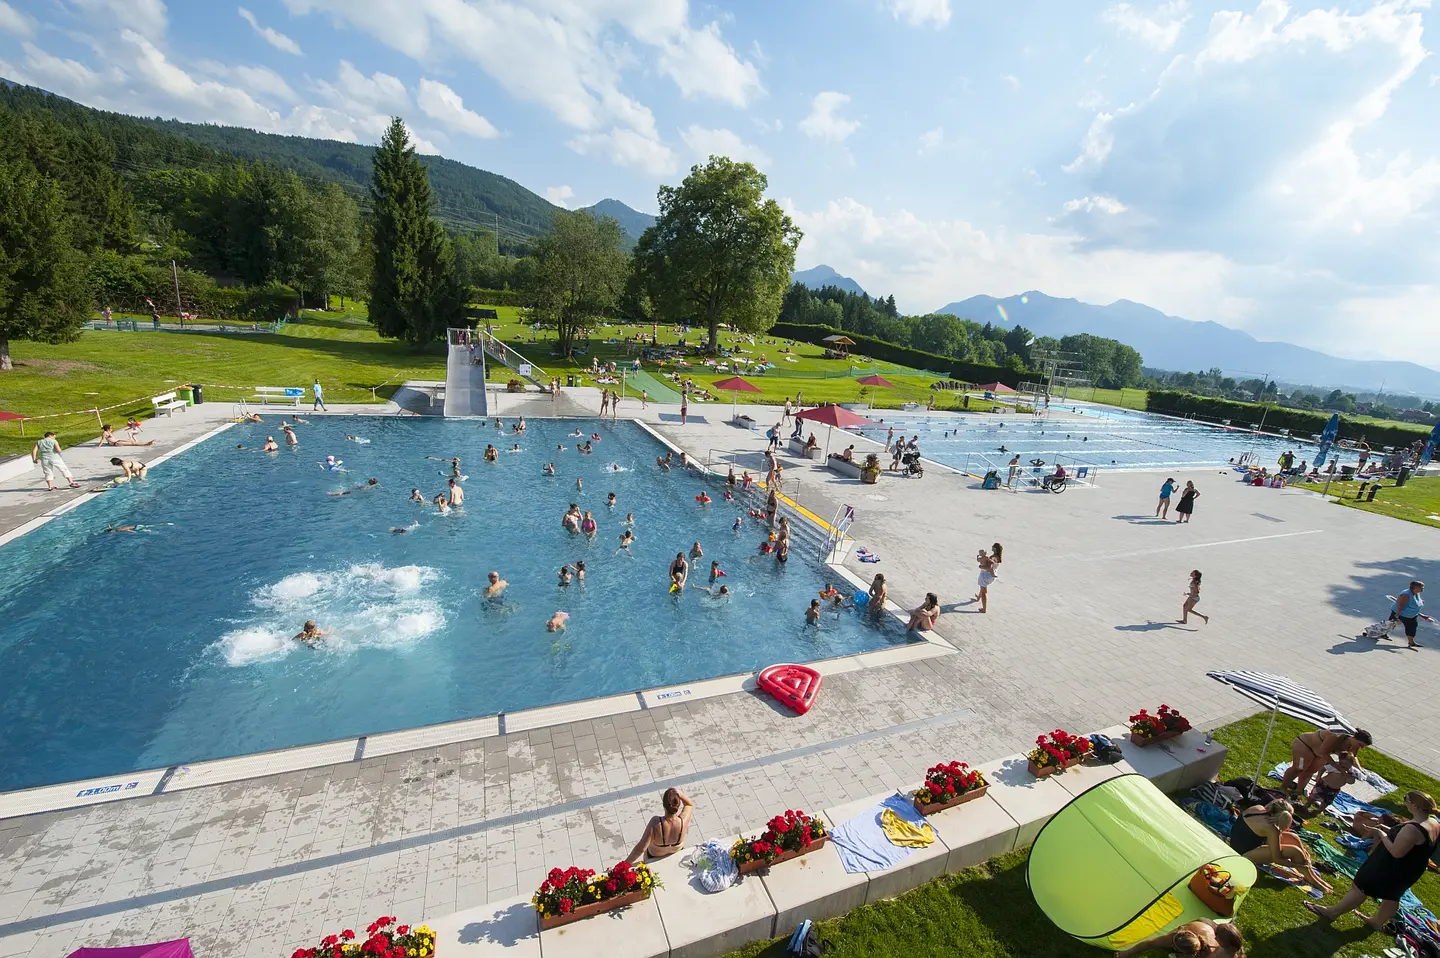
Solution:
(792, 685)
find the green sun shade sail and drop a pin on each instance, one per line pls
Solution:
(1113, 866)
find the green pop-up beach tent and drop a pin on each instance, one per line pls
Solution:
(1113, 866)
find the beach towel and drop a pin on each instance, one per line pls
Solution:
(1370, 787)
(862, 843)
(903, 832)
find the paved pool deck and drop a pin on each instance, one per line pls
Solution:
(1080, 632)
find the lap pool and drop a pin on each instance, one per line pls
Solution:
(172, 645)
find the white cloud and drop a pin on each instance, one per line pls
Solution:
(931, 140)
(1093, 204)
(271, 36)
(1098, 143)
(918, 13)
(625, 147)
(702, 64)
(705, 142)
(13, 21)
(824, 121)
(444, 106)
(1011, 80)
(1159, 29)
(146, 17)
(261, 81)
(354, 92)
(560, 195)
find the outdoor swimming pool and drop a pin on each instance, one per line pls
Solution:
(138, 650)
(1102, 436)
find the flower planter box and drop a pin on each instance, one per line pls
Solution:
(751, 867)
(745, 422)
(593, 909)
(926, 808)
(1145, 741)
(1039, 772)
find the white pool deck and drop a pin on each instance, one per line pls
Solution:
(1079, 634)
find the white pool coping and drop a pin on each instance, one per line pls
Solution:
(158, 781)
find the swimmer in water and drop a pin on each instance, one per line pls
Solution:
(615, 467)
(729, 496)
(270, 445)
(696, 552)
(556, 622)
(331, 464)
(303, 422)
(310, 633)
(571, 519)
(441, 503)
(515, 448)
(290, 437)
(519, 428)
(627, 539)
(715, 571)
(580, 571)
(370, 483)
(663, 461)
(560, 448)
(495, 591)
(679, 571)
(577, 434)
(457, 495)
(737, 524)
(363, 442)
(629, 518)
(110, 528)
(721, 593)
(491, 453)
(588, 525)
(402, 530)
(249, 417)
(610, 500)
(454, 464)
(579, 484)
(703, 498)
(416, 496)
(549, 469)
(564, 575)
(585, 449)
(812, 614)
(595, 436)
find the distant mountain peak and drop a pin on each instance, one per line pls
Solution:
(631, 220)
(822, 275)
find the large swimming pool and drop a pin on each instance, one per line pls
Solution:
(172, 645)
(1090, 435)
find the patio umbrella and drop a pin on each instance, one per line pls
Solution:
(833, 416)
(1280, 695)
(1431, 445)
(736, 386)
(877, 381)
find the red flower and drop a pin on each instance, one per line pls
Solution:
(403, 930)
(347, 934)
(565, 906)
(612, 886)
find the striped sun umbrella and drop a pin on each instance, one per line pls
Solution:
(1282, 696)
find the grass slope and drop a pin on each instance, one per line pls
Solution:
(988, 912)
(1416, 502)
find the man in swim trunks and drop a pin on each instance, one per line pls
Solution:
(549, 469)
(491, 453)
(812, 614)
(290, 438)
(370, 483)
(556, 622)
(457, 494)
(627, 539)
(495, 591)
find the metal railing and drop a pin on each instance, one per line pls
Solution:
(840, 522)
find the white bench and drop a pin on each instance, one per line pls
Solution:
(167, 402)
(290, 394)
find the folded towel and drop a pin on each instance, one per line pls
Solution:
(904, 833)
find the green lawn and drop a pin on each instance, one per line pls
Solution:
(1417, 502)
(105, 368)
(988, 912)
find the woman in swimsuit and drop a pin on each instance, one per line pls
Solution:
(587, 524)
(1262, 834)
(1311, 752)
(679, 570)
(107, 438)
(1201, 938)
(665, 835)
(878, 593)
(1192, 598)
(923, 618)
(131, 468)
(986, 577)
(1397, 860)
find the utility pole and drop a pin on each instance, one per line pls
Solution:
(179, 306)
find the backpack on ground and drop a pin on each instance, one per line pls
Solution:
(806, 943)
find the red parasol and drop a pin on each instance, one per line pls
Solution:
(833, 416)
(735, 385)
(995, 388)
(876, 381)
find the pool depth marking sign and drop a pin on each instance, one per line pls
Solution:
(106, 789)
(676, 694)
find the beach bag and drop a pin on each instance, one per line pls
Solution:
(716, 869)
(1378, 630)
(805, 942)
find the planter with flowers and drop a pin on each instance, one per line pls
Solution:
(1147, 729)
(785, 837)
(1056, 752)
(385, 939)
(576, 893)
(947, 785)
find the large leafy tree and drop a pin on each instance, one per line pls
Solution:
(415, 291)
(43, 294)
(720, 252)
(578, 272)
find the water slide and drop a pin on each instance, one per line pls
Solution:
(464, 382)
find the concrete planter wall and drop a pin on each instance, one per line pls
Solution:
(797, 448)
(850, 470)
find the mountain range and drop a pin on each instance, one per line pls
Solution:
(822, 275)
(1170, 342)
(633, 222)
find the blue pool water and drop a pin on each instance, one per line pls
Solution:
(126, 651)
(1102, 436)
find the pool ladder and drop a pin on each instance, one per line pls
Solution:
(835, 536)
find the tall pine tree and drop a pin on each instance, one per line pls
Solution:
(415, 292)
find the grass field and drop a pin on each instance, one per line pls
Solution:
(1125, 398)
(1417, 502)
(988, 912)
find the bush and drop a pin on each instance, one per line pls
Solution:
(497, 297)
(906, 356)
(1303, 424)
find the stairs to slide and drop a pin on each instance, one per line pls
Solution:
(464, 378)
(510, 359)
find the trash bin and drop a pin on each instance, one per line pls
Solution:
(1403, 478)
(199, 393)
(186, 395)
(570, 380)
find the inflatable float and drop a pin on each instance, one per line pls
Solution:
(795, 686)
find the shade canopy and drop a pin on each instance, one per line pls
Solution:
(995, 388)
(875, 380)
(839, 340)
(11, 415)
(1284, 696)
(179, 948)
(735, 384)
(835, 416)
(1113, 867)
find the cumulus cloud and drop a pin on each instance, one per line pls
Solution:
(271, 36)
(13, 21)
(625, 147)
(824, 121)
(146, 17)
(704, 142)
(1159, 29)
(919, 13)
(445, 107)
(1093, 204)
(931, 139)
(354, 92)
(560, 195)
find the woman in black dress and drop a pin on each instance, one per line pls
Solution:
(1397, 860)
(1187, 502)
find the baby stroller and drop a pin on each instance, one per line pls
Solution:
(910, 462)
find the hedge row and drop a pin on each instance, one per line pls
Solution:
(904, 355)
(1298, 421)
(497, 297)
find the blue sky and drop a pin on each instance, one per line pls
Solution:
(1270, 166)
